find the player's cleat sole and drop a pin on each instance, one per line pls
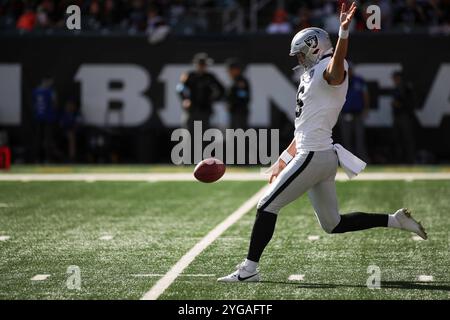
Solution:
(407, 222)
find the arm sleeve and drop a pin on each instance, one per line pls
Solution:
(183, 88)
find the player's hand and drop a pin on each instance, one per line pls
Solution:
(186, 103)
(276, 171)
(347, 15)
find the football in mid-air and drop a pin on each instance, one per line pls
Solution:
(209, 170)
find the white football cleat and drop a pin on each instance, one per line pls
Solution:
(241, 275)
(407, 222)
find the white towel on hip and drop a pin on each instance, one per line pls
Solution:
(351, 164)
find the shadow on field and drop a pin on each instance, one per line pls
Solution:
(410, 285)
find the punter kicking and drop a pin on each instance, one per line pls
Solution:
(310, 162)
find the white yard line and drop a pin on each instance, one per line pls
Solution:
(231, 176)
(178, 268)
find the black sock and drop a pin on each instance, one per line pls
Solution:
(359, 221)
(261, 234)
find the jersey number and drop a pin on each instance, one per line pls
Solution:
(298, 109)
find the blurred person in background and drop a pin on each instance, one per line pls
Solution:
(403, 105)
(137, 17)
(92, 19)
(44, 104)
(238, 95)
(303, 19)
(280, 23)
(27, 20)
(198, 90)
(353, 114)
(157, 28)
(409, 15)
(69, 122)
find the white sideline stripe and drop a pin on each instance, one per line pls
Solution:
(181, 275)
(313, 238)
(40, 277)
(4, 238)
(231, 176)
(296, 277)
(425, 278)
(107, 237)
(178, 268)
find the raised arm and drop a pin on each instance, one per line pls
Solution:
(335, 72)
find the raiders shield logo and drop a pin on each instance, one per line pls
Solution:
(312, 41)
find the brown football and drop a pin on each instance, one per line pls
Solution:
(209, 170)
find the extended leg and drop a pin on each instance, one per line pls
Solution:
(323, 198)
(360, 221)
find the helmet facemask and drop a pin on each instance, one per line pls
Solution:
(306, 57)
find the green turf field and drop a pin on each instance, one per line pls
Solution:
(53, 225)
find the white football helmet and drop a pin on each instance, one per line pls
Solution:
(314, 43)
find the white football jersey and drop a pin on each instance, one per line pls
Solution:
(318, 107)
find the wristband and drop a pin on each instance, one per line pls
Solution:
(286, 157)
(343, 34)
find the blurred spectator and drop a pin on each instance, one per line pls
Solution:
(27, 20)
(137, 16)
(198, 90)
(280, 23)
(7, 18)
(303, 19)
(176, 12)
(69, 121)
(110, 15)
(403, 105)
(353, 114)
(238, 95)
(45, 115)
(92, 21)
(157, 29)
(409, 15)
(44, 14)
(192, 17)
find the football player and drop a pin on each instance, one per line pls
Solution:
(310, 162)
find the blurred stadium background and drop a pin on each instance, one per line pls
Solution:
(114, 81)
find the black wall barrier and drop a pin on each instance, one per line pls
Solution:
(129, 74)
